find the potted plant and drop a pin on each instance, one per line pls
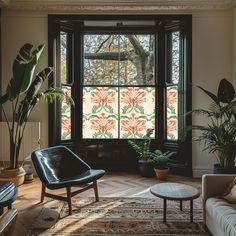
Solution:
(23, 94)
(160, 163)
(142, 147)
(219, 134)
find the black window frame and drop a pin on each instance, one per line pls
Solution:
(163, 24)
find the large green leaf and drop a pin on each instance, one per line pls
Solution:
(3, 99)
(27, 102)
(211, 95)
(36, 84)
(23, 70)
(226, 92)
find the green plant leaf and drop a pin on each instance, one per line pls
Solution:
(3, 99)
(226, 92)
(26, 103)
(211, 95)
(23, 70)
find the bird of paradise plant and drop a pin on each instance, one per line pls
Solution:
(23, 93)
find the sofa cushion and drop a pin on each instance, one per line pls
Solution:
(230, 193)
(224, 214)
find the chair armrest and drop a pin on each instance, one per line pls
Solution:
(214, 185)
(7, 222)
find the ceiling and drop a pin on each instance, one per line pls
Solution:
(79, 5)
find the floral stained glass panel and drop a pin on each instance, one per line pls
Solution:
(66, 116)
(137, 111)
(172, 112)
(100, 112)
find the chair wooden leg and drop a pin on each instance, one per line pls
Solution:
(68, 191)
(42, 192)
(95, 187)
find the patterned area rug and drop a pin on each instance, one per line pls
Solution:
(118, 216)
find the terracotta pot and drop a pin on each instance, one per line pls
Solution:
(15, 176)
(162, 173)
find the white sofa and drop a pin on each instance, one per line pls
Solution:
(219, 215)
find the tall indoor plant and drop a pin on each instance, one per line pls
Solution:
(22, 94)
(219, 134)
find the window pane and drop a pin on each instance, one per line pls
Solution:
(63, 56)
(66, 116)
(119, 59)
(101, 59)
(175, 60)
(100, 112)
(137, 111)
(172, 112)
(102, 104)
(137, 59)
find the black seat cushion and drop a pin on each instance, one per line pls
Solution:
(83, 178)
(59, 167)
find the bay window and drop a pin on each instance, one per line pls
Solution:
(126, 74)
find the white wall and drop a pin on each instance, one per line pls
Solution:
(212, 59)
(19, 28)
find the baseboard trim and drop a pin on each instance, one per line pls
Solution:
(198, 173)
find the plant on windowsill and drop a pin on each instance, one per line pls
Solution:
(23, 94)
(219, 134)
(148, 159)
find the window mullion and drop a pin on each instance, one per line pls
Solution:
(78, 77)
(161, 68)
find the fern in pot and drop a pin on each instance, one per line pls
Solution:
(219, 133)
(23, 93)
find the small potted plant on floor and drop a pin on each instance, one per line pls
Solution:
(142, 147)
(149, 159)
(160, 163)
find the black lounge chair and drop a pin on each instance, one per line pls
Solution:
(58, 167)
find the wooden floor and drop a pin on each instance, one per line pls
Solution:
(111, 185)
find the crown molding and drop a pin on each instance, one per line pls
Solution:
(77, 6)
